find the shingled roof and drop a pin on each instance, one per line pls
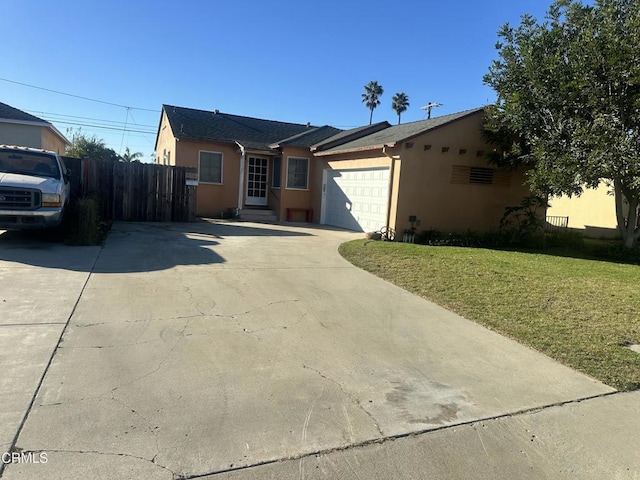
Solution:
(251, 133)
(7, 112)
(392, 135)
(349, 135)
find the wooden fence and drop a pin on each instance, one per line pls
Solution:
(135, 191)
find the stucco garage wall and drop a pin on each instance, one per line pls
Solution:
(426, 188)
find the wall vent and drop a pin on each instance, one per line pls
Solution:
(468, 175)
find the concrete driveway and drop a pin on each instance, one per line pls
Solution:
(40, 283)
(241, 350)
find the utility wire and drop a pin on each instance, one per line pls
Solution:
(78, 96)
(52, 118)
(138, 125)
(119, 129)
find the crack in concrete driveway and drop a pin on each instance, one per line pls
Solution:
(153, 367)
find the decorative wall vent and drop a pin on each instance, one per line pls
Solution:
(468, 175)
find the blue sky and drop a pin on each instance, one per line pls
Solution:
(284, 60)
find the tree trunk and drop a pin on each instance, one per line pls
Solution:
(371, 117)
(618, 195)
(631, 232)
(629, 241)
(629, 226)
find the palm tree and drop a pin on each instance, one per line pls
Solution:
(129, 157)
(400, 103)
(371, 96)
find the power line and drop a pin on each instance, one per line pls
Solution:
(105, 127)
(78, 96)
(135, 123)
(64, 116)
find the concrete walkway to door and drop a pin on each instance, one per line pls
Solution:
(238, 350)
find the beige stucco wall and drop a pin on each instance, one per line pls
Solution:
(426, 190)
(23, 135)
(166, 143)
(593, 213)
(292, 198)
(52, 141)
(212, 199)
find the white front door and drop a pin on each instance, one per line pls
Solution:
(257, 185)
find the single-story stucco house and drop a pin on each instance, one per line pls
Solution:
(21, 128)
(360, 179)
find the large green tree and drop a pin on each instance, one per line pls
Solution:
(83, 146)
(568, 101)
(400, 103)
(371, 96)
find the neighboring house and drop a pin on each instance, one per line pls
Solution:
(360, 179)
(593, 213)
(21, 128)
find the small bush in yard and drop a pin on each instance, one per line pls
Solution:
(467, 238)
(615, 252)
(83, 223)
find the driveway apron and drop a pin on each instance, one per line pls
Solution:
(208, 347)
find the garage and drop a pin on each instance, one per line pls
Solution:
(356, 199)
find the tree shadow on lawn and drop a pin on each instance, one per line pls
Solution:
(608, 253)
(133, 247)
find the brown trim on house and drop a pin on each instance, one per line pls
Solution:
(358, 149)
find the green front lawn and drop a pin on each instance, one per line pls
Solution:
(580, 312)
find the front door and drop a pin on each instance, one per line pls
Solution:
(257, 181)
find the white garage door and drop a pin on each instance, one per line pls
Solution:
(357, 199)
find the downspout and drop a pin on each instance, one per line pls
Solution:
(241, 181)
(391, 172)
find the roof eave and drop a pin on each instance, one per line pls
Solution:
(59, 134)
(355, 149)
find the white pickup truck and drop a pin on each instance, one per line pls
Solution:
(34, 188)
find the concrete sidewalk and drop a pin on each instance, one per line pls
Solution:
(40, 284)
(203, 348)
(593, 439)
